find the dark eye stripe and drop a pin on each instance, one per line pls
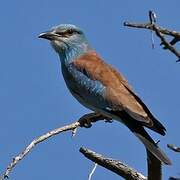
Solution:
(68, 32)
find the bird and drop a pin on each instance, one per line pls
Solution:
(100, 87)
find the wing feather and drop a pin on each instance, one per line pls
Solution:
(119, 94)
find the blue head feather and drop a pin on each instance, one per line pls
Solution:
(69, 42)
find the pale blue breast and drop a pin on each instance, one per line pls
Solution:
(88, 92)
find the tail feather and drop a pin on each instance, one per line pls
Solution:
(137, 128)
(154, 149)
(150, 144)
(157, 126)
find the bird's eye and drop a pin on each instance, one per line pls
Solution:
(70, 32)
(59, 33)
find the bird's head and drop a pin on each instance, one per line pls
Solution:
(66, 38)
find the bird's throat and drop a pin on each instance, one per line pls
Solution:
(73, 52)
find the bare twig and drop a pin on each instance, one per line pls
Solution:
(166, 43)
(113, 165)
(148, 25)
(84, 121)
(92, 172)
(160, 32)
(173, 147)
(152, 18)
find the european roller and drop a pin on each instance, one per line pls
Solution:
(100, 87)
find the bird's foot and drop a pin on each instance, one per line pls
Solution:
(108, 121)
(157, 142)
(85, 122)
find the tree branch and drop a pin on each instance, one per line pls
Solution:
(84, 121)
(113, 165)
(160, 32)
(173, 147)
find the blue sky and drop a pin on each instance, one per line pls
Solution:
(34, 98)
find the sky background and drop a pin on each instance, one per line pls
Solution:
(34, 98)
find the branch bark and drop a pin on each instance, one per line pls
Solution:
(113, 165)
(173, 147)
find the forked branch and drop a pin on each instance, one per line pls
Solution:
(160, 32)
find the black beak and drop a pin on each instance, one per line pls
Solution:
(49, 35)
